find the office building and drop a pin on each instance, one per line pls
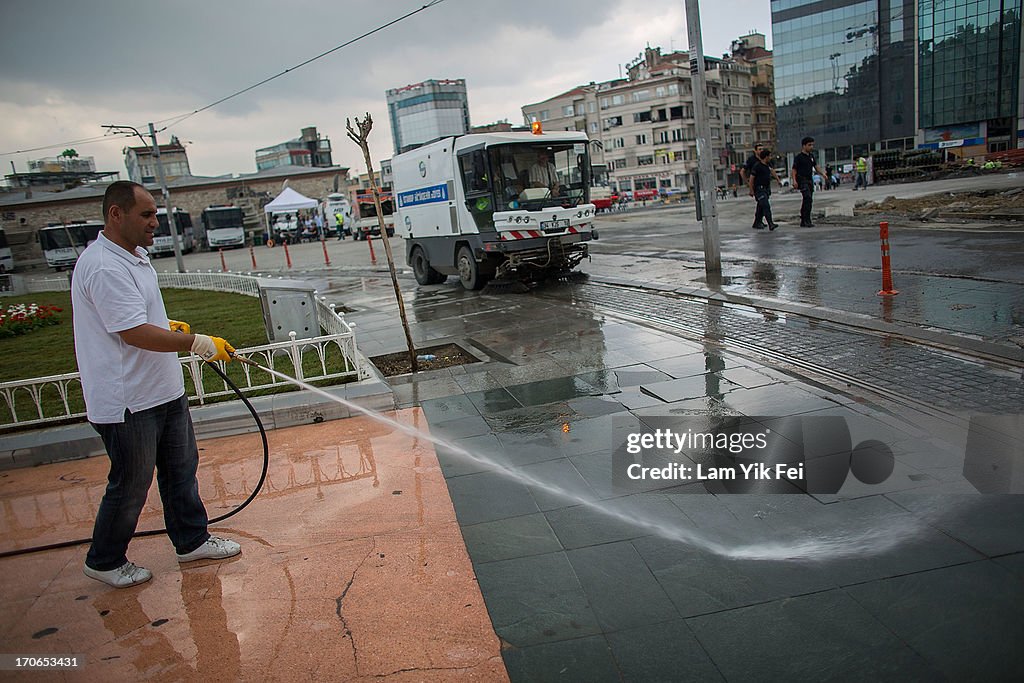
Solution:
(427, 111)
(844, 75)
(970, 77)
(310, 149)
(642, 127)
(141, 164)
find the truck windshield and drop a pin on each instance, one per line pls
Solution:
(538, 175)
(226, 218)
(367, 209)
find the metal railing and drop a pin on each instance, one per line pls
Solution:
(333, 355)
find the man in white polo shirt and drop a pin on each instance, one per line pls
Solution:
(135, 391)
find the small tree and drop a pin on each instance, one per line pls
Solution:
(69, 153)
(360, 139)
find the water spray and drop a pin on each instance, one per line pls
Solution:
(848, 544)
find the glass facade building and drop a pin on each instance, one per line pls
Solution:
(844, 75)
(969, 60)
(427, 111)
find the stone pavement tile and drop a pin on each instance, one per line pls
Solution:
(509, 538)
(746, 377)
(695, 386)
(622, 591)
(492, 401)
(582, 659)
(684, 365)
(595, 406)
(448, 408)
(531, 420)
(576, 362)
(485, 452)
(551, 391)
(965, 620)
(416, 393)
(525, 448)
(646, 353)
(991, 524)
(615, 519)
(700, 582)
(535, 600)
(596, 469)
(662, 652)
(613, 381)
(460, 428)
(568, 487)
(1013, 563)
(481, 381)
(776, 400)
(488, 496)
(633, 398)
(826, 636)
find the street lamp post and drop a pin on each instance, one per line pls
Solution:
(706, 195)
(172, 223)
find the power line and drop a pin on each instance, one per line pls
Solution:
(173, 121)
(83, 141)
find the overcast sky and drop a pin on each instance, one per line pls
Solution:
(70, 66)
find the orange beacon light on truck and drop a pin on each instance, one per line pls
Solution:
(536, 128)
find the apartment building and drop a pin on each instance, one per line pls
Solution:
(750, 51)
(642, 127)
(141, 163)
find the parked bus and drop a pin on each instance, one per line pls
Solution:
(63, 244)
(6, 257)
(162, 243)
(221, 227)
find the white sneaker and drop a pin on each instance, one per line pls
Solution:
(128, 574)
(215, 548)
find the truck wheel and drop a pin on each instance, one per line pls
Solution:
(469, 270)
(425, 275)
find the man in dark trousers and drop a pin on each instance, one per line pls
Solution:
(804, 168)
(135, 391)
(760, 184)
(746, 173)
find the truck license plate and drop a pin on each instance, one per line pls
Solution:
(554, 226)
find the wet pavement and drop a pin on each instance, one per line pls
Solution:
(586, 582)
(352, 568)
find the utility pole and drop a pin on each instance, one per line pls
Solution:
(172, 223)
(706, 197)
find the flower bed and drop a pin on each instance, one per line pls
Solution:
(23, 318)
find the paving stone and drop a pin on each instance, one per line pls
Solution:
(622, 591)
(819, 637)
(666, 651)
(508, 538)
(583, 659)
(535, 600)
(947, 616)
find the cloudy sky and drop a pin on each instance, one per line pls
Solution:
(71, 66)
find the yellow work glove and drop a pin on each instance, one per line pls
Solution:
(178, 326)
(212, 348)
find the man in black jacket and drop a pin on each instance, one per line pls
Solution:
(804, 168)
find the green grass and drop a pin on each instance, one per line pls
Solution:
(51, 350)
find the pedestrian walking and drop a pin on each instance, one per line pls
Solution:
(862, 173)
(761, 187)
(805, 167)
(134, 391)
(339, 220)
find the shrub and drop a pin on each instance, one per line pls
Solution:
(23, 318)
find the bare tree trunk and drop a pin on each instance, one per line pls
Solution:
(360, 139)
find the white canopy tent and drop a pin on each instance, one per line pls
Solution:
(290, 200)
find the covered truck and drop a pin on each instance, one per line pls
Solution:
(495, 205)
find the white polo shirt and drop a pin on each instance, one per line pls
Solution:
(113, 291)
